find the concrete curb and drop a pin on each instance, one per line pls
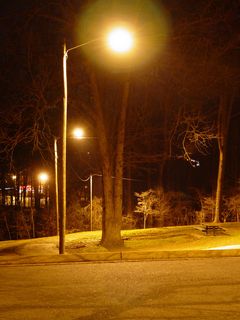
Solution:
(113, 256)
(184, 254)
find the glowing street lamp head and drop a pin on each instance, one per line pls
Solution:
(78, 133)
(43, 177)
(120, 40)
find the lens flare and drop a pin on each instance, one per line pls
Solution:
(43, 177)
(78, 133)
(120, 40)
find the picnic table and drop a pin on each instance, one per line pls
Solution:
(208, 229)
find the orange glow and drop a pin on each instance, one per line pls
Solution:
(120, 40)
(43, 177)
(78, 133)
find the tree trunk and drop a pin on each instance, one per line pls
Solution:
(112, 164)
(111, 236)
(144, 220)
(224, 116)
(118, 185)
(220, 178)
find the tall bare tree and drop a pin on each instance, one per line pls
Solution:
(224, 118)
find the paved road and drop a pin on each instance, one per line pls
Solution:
(180, 289)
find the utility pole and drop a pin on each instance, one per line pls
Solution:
(56, 183)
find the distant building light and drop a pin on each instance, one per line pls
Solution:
(195, 163)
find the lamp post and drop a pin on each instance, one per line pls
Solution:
(56, 183)
(78, 133)
(91, 198)
(119, 40)
(62, 212)
(43, 178)
(90, 178)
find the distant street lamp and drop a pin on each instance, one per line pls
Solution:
(43, 178)
(119, 40)
(78, 133)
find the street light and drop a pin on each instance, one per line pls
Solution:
(90, 178)
(43, 178)
(117, 36)
(120, 40)
(78, 133)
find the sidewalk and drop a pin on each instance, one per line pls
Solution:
(47, 254)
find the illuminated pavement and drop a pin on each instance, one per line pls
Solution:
(231, 247)
(206, 288)
(47, 253)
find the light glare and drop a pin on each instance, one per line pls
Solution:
(78, 133)
(43, 177)
(120, 40)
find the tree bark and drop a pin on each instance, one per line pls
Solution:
(220, 178)
(224, 116)
(112, 165)
(118, 190)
